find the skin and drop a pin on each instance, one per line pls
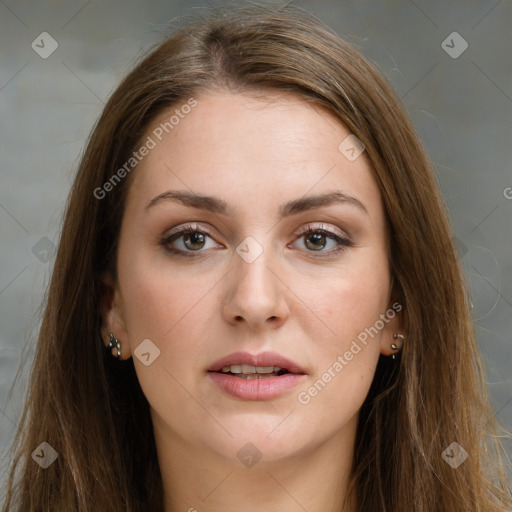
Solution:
(255, 153)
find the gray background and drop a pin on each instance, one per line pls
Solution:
(462, 108)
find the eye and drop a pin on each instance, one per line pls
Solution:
(317, 238)
(187, 240)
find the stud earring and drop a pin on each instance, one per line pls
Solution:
(114, 343)
(394, 346)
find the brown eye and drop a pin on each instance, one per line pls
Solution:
(191, 240)
(316, 241)
(188, 240)
(194, 240)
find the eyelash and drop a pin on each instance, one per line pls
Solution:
(309, 230)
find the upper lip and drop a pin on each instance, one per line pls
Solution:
(261, 359)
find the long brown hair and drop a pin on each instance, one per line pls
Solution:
(89, 406)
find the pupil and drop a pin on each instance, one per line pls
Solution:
(318, 237)
(193, 237)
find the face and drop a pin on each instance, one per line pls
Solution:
(267, 271)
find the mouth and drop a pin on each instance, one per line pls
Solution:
(256, 377)
(244, 365)
(247, 371)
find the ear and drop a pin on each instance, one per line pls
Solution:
(394, 325)
(112, 316)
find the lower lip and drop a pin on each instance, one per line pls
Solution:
(256, 389)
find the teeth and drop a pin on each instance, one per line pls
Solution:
(267, 369)
(250, 376)
(248, 369)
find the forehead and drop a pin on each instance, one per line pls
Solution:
(247, 148)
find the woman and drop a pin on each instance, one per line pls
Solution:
(255, 302)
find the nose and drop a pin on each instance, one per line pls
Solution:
(256, 293)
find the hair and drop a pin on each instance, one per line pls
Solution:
(90, 407)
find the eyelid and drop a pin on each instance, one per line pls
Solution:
(189, 226)
(322, 227)
(193, 226)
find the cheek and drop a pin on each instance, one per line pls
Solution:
(165, 305)
(172, 310)
(346, 359)
(344, 301)
(348, 304)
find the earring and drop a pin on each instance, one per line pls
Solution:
(115, 343)
(394, 346)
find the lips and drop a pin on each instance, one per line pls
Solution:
(264, 376)
(264, 359)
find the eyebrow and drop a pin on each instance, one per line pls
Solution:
(294, 207)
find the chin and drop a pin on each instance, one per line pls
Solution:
(270, 440)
